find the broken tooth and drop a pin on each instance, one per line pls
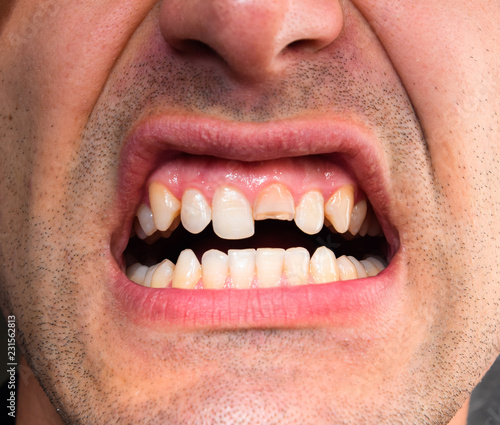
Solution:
(145, 217)
(310, 213)
(187, 271)
(163, 274)
(231, 214)
(296, 266)
(241, 267)
(346, 268)
(358, 216)
(360, 269)
(165, 206)
(214, 266)
(137, 272)
(195, 211)
(338, 208)
(323, 266)
(274, 202)
(269, 266)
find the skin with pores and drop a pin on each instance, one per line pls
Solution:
(419, 79)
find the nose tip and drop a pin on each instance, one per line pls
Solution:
(254, 38)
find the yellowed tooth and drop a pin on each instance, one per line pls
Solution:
(187, 271)
(371, 269)
(163, 274)
(137, 272)
(346, 268)
(310, 214)
(242, 267)
(231, 214)
(296, 266)
(274, 202)
(215, 268)
(269, 266)
(164, 205)
(360, 269)
(358, 216)
(145, 217)
(195, 211)
(323, 266)
(338, 208)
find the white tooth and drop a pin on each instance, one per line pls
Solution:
(173, 226)
(137, 272)
(195, 211)
(296, 266)
(241, 267)
(377, 262)
(338, 208)
(346, 268)
(323, 266)
(165, 206)
(145, 217)
(163, 274)
(358, 216)
(214, 265)
(149, 275)
(231, 214)
(371, 269)
(269, 266)
(138, 230)
(360, 269)
(187, 271)
(310, 214)
(366, 223)
(275, 202)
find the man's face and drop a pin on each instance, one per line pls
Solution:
(236, 107)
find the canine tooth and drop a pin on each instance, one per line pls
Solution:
(145, 217)
(371, 269)
(269, 266)
(231, 214)
(163, 274)
(346, 268)
(242, 267)
(358, 216)
(149, 275)
(195, 211)
(187, 271)
(360, 269)
(137, 272)
(296, 266)
(165, 206)
(275, 202)
(338, 208)
(214, 266)
(324, 266)
(310, 213)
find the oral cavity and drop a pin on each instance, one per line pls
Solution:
(231, 212)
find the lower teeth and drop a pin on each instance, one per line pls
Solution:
(250, 268)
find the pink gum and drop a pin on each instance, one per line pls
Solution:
(299, 175)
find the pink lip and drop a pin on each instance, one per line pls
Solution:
(158, 139)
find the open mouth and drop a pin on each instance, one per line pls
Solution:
(226, 224)
(207, 223)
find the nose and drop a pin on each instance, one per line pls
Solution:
(254, 38)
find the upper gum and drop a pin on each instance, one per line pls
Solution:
(298, 175)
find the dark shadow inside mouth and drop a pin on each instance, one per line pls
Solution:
(268, 234)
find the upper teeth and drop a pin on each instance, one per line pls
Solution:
(233, 217)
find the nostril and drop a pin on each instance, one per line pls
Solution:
(194, 47)
(305, 45)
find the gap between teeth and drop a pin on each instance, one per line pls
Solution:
(250, 268)
(233, 217)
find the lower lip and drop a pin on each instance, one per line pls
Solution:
(336, 304)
